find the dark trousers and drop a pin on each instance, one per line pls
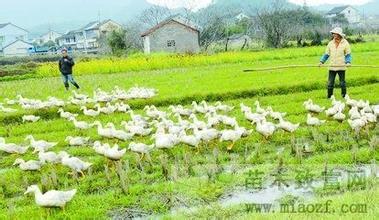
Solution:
(69, 78)
(331, 81)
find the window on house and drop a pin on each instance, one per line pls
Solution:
(171, 43)
(2, 39)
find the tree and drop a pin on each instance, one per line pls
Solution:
(213, 25)
(275, 24)
(117, 42)
(153, 16)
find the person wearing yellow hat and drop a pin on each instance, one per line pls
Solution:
(339, 52)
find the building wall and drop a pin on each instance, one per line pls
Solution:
(352, 15)
(185, 39)
(11, 33)
(18, 48)
(50, 36)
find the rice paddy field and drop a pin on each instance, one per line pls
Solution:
(210, 182)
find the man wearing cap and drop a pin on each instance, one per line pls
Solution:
(65, 67)
(339, 52)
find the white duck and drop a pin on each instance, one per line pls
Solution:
(100, 148)
(48, 157)
(354, 113)
(40, 145)
(357, 124)
(212, 119)
(77, 141)
(197, 122)
(375, 109)
(90, 112)
(350, 102)
(81, 125)
(231, 135)
(140, 147)
(254, 117)
(258, 108)
(103, 132)
(335, 102)
(119, 134)
(10, 101)
(7, 110)
(221, 107)
(165, 140)
(114, 153)
(245, 108)
(313, 121)
(198, 108)
(330, 112)
(228, 120)
(207, 134)
(266, 129)
(12, 148)
(66, 115)
(107, 109)
(121, 107)
(275, 115)
(190, 140)
(55, 102)
(361, 104)
(30, 118)
(180, 110)
(340, 117)
(79, 96)
(287, 126)
(369, 116)
(136, 129)
(309, 106)
(74, 163)
(31, 165)
(51, 198)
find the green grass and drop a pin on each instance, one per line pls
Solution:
(180, 80)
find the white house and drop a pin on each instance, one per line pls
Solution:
(174, 35)
(351, 14)
(242, 16)
(49, 36)
(17, 48)
(10, 33)
(88, 38)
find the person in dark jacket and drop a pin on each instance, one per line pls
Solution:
(65, 67)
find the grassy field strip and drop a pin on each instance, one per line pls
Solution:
(190, 81)
(62, 128)
(143, 63)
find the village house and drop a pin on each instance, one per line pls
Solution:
(50, 36)
(174, 35)
(89, 38)
(242, 16)
(10, 33)
(350, 13)
(18, 48)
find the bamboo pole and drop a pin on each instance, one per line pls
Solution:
(306, 66)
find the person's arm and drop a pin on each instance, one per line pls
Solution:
(60, 65)
(71, 60)
(326, 55)
(348, 57)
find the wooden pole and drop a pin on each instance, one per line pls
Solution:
(305, 66)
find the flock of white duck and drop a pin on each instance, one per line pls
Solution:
(191, 126)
